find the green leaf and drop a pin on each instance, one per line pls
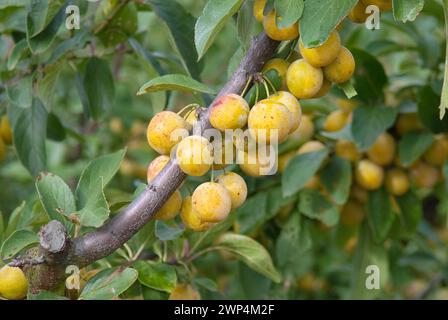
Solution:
(47, 84)
(181, 25)
(45, 295)
(370, 77)
(428, 110)
(320, 18)
(300, 170)
(16, 242)
(16, 53)
(165, 232)
(75, 42)
(369, 122)
(98, 87)
(250, 252)
(411, 212)
(413, 145)
(174, 82)
(207, 284)
(315, 206)
(109, 283)
(159, 276)
(289, 11)
(380, 214)
(55, 129)
(95, 211)
(254, 284)
(40, 14)
(56, 197)
(14, 219)
(216, 13)
(29, 134)
(407, 10)
(247, 27)
(20, 93)
(348, 89)
(336, 177)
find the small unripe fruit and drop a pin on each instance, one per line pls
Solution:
(293, 105)
(397, 182)
(303, 80)
(184, 292)
(324, 89)
(347, 150)
(323, 55)
(342, 68)
(383, 5)
(358, 13)
(275, 33)
(304, 132)
(279, 65)
(160, 131)
(5, 130)
(437, 154)
(369, 175)
(311, 146)
(352, 213)
(212, 202)
(382, 152)
(195, 155)
(258, 9)
(424, 175)
(236, 186)
(156, 166)
(269, 119)
(171, 208)
(229, 112)
(191, 218)
(13, 283)
(335, 121)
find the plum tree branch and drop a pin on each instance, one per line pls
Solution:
(102, 242)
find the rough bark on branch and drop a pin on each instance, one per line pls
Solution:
(102, 242)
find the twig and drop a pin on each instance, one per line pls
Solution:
(109, 18)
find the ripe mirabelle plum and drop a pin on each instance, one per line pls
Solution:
(5, 130)
(156, 166)
(161, 128)
(212, 202)
(258, 9)
(358, 13)
(342, 68)
(293, 106)
(369, 175)
(221, 151)
(191, 218)
(324, 89)
(279, 65)
(276, 33)
(311, 146)
(383, 5)
(408, 122)
(13, 283)
(437, 154)
(269, 119)
(352, 213)
(304, 132)
(347, 149)
(382, 152)
(424, 175)
(255, 164)
(229, 112)
(397, 182)
(323, 55)
(194, 155)
(335, 121)
(184, 292)
(303, 80)
(236, 186)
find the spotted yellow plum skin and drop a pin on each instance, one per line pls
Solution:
(269, 119)
(184, 292)
(323, 55)
(304, 132)
(279, 34)
(229, 112)
(397, 182)
(347, 149)
(383, 150)
(279, 65)
(311, 146)
(194, 155)
(358, 13)
(13, 283)
(212, 202)
(342, 68)
(191, 218)
(293, 105)
(303, 80)
(156, 166)
(336, 121)
(162, 129)
(383, 5)
(324, 89)
(171, 207)
(256, 165)
(223, 153)
(258, 9)
(236, 186)
(5, 130)
(369, 175)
